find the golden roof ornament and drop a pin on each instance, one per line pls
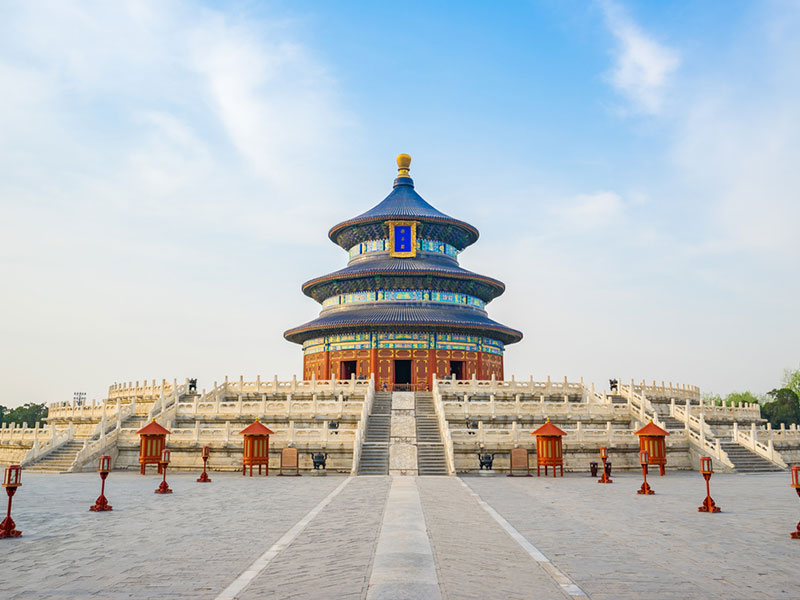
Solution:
(403, 165)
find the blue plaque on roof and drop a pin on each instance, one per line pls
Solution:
(402, 239)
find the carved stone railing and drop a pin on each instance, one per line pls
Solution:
(482, 386)
(444, 428)
(676, 391)
(145, 391)
(744, 411)
(105, 436)
(282, 436)
(21, 435)
(40, 450)
(513, 436)
(241, 387)
(286, 408)
(749, 439)
(72, 411)
(527, 408)
(361, 429)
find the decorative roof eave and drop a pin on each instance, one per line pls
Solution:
(485, 288)
(401, 316)
(298, 335)
(362, 229)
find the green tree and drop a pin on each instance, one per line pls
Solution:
(714, 399)
(737, 397)
(784, 407)
(791, 380)
(28, 413)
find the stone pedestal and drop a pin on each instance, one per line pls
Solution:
(487, 472)
(318, 472)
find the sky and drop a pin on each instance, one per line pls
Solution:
(169, 172)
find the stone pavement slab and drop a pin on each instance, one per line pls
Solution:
(475, 558)
(617, 544)
(332, 557)
(188, 544)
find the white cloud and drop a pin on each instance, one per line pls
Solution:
(643, 65)
(590, 211)
(157, 161)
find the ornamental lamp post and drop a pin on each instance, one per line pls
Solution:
(706, 471)
(104, 467)
(604, 478)
(644, 458)
(204, 478)
(163, 488)
(796, 485)
(12, 480)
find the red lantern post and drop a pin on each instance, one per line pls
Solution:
(104, 467)
(643, 460)
(204, 478)
(604, 478)
(12, 481)
(652, 439)
(256, 447)
(796, 485)
(153, 440)
(549, 451)
(706, 470)
(163, 488)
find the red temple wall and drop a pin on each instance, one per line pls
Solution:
(424, 364)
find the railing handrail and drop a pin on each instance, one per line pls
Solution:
(366, 409)
(444, 428)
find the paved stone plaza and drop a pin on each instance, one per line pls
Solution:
(378, 537)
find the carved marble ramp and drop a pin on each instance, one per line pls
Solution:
(403, 566)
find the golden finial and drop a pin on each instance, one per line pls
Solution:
(548, 419)
(403, 163)
(256, 419)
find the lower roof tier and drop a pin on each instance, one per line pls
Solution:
(406, 317)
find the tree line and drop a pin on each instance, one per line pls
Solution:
(779, 405)
(28, 413)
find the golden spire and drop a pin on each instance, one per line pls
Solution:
(403, 163)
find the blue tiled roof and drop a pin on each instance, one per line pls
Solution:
(404, 203)
(484, 287)
(397, 316)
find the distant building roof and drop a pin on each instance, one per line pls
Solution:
(256, 428)
(152, 428)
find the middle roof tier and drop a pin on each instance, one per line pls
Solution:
(397, 273)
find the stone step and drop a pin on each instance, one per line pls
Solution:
(746, 461)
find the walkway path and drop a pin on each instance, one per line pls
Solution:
(380, 537)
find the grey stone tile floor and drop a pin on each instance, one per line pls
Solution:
(610, 541)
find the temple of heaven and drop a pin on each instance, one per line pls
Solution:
(403, 309)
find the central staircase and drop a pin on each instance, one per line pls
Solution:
(430, 449)
(375, 449)
(747, 461)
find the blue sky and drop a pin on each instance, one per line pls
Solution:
(168, 173)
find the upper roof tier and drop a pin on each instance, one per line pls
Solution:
(403, 203)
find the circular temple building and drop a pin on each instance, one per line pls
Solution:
(403, 309)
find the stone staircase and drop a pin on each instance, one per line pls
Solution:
(430, 449)
(747, 461)
(375, 448)
(670, 423)
(59, 460)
